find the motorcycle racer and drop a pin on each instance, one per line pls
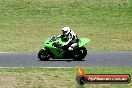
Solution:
(68, 46)
(70, 36)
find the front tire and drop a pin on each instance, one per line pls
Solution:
(79, 54)
(44, 55)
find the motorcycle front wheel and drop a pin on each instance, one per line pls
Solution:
(44, 55)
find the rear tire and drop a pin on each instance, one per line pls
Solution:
(44, 55)
(79, 54)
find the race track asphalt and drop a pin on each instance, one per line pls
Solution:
(93, 59)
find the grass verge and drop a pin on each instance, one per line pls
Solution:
(25, 24)
(55, 78)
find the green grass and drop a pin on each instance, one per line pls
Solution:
(56, 78)
(25, 24)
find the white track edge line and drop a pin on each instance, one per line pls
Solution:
(37, 67)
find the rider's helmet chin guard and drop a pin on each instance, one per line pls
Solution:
(66, 30)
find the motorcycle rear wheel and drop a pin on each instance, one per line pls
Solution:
(79, 54)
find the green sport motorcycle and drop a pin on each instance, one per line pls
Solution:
(54, 48)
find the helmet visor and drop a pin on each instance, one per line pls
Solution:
(64, 32)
